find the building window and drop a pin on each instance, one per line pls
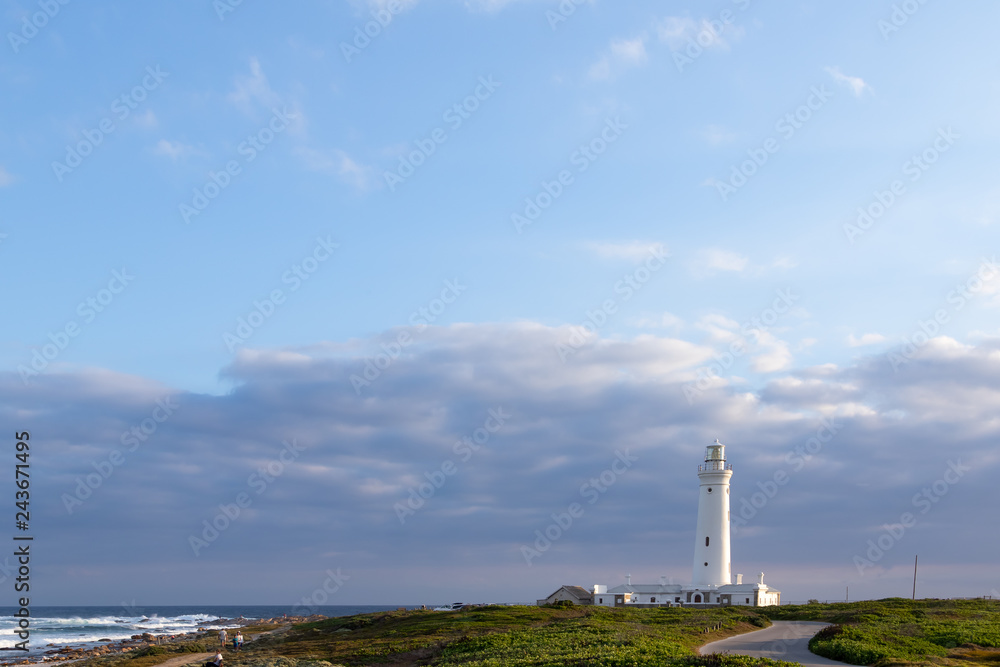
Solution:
(652, 600)
(706, 564)
(706, 541)
(709, 489)
(748, 600)
(600, 600)
(677, 599)
(697, 599)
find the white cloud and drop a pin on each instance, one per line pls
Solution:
(340, 164)
(487, 5)
(712, 260)
(377, 5)
(866, 339)
(634, 251)
(250, 91)
(631, 51)
(855, 83)
(601, 69)
(784, 263)
(719, 328)
(661, 321)
(622, 54)
(718, 135)
(774, 354)
(146, 119)
(174, 150)
(5, 177)
(679, 32)
(806, 343)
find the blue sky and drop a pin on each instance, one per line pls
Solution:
(640, 226)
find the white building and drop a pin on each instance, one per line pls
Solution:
(712, 579)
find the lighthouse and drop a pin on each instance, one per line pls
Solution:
(711, 543)
(711, 584)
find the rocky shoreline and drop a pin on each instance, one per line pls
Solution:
(207, 632)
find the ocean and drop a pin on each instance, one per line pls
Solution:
(82, 627)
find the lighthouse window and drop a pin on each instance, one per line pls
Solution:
(709, 489)
(706, 564)
(706, 541)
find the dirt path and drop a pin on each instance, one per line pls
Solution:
(190, 658)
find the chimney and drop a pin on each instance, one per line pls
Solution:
(739, 579)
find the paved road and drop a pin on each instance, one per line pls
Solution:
(785, 640)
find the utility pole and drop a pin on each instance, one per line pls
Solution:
(847, 594)
(915, 577)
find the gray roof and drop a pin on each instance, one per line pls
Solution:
(578, 592)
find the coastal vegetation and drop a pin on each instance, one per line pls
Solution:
(885, 633)
(898, 631)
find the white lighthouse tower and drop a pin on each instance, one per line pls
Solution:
(711, 543)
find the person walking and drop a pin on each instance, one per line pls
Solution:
(222, 639)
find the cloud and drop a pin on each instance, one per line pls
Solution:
(717, 135)
(631, 51)
(774, 354)
(679, 32)
(856, 84)
(660, 321)
(377, 5)
(866, 339)
(633, 251)
(340, 164)
(784, 263)
(147, 119)
(253, 90)
(622, 54)
(5, 177)
(333, 504)
(174, 150)
(767, 352)
(710, 261)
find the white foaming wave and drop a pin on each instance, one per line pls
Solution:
(79, 630)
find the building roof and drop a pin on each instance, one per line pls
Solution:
(645, 588)
(745, 588)
(578, 592)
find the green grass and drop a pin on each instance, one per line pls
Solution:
(945, 633)
(897, 630)
(518, 636)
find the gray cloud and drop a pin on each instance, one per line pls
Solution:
(332, 505)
